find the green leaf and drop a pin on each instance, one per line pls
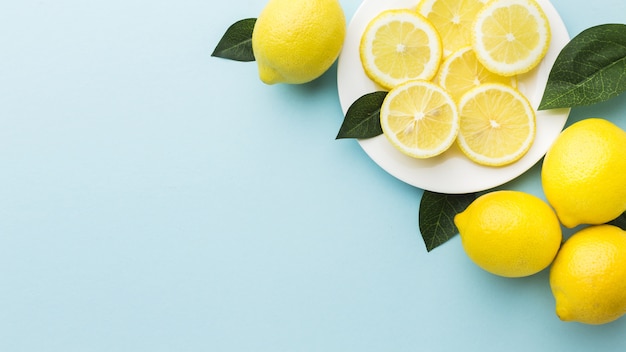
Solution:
(590, 69)
(620, 221)
(436, 216)
(236, 44)
(363, 117)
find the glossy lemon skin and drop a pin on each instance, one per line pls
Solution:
(509, 233)
(583, 173)
(588, 276)
(296, 41)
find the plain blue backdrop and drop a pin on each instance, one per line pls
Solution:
(155, 198)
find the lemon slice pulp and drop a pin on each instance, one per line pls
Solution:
(453, 20)
(497, 124)
(420, 119)
(400, 45)
(462, 71)
(511, 36)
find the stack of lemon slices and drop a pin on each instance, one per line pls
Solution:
(450, 67)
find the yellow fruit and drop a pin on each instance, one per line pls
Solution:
(461, 71)
(398, 46)
(583, 173)
(509, 233)
(419, 118)
(497, 124)
(511, 36)
(588, 276)
(296, 41)
(453, 20)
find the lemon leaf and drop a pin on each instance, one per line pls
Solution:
(436, 216)
(362, 119)
(620, 221)
(590, 69)
(236, 44)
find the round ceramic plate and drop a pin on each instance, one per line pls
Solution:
(451, 172)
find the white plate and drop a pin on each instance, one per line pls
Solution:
(451, 172)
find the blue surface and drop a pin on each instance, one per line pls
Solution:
(154, 198)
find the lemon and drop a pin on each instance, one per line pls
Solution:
(583, 173)
(509, 233)
(400, 45)
(453, 20)
(419, 118)
(497, 124)
(588, 276)
(296, 41)
(461, 71)
(511, 36)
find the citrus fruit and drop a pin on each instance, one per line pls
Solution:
(453, 20)
(588, 276)
(419, 118)
(461, 71)
(509, 233)
(511, 36)
(400, 45)
(497, 124)
(296, 41)
(583, 173)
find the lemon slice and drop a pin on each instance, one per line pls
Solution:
(462, 71)
(419, 118)
(511, 36)
(453, 20)
(497, 124)
(398, 46)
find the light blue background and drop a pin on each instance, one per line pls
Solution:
(154, 198)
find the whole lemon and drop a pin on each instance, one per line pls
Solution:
(588, 276)
(510, 233)
(583, 173)
(296, 41)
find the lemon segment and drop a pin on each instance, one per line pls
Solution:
(420, 119)
(398, 46)
(511, 36)
(588, 276)
(453, 20)
(497, 124)
(461, 71)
